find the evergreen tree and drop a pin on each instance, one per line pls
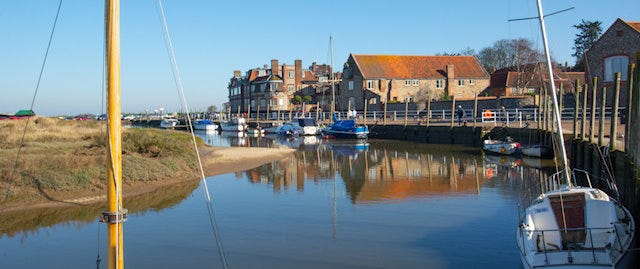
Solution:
(589, 32)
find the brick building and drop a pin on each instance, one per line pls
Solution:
(272, 88)
(380, 79)
(529, 81)
(612, 53)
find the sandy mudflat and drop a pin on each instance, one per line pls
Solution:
(215, 161)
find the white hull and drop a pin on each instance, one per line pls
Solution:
(235, 125)
(534, 151)
(168, 123)
(598, 234)
(205, 127)
(501, 147)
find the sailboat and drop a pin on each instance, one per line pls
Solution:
(569, 226)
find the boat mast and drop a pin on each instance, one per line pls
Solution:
(331, 77)
(554, 97)
(116, 214)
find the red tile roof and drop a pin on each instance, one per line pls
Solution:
(418, 67)
(634, 25)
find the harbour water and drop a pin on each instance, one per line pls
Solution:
(333, 205)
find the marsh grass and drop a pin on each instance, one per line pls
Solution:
(66, 156)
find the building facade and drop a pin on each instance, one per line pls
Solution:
(380, 79)
(612, 53)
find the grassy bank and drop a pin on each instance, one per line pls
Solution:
(61, 158)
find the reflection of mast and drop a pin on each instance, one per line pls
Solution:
(335, 210)
(475, 168)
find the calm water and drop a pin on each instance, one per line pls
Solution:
(377, 205)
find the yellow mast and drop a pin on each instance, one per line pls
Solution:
(116, 214)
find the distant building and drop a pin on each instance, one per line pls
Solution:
(380, 79)
(528, 80)
(273, 88)
(612, 53)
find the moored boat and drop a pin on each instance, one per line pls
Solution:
(234, 125)
(535, 150)
(169, 123)
(204, 124)
(507, 147)
(346, 129)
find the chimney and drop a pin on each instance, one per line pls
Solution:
(451, 85)
(298, 71)
(274, 67)
(313, 67)
(237, 73)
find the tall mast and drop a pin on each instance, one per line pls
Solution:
(116, 214)
(333, 91)
(554, 97)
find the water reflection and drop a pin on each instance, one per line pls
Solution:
(381, 171)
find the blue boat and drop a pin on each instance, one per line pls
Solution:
(345, 129)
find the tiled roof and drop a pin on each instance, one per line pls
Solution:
(634, 25)
(418, 67)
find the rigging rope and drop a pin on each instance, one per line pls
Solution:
(178, 82)
(33, 100)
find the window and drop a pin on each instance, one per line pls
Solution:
(350, 85)
(292, 74)
(281, 102)
(263, 103)
(373, 101)
(472, 82)
(370, 84)
(416, 82)
(460, 82)
(253, 103)
(439, 84)
(615, 64)
(408, 99)
(352, 102)
(273, 102)
(290, 88)
(262, 87)
(407, 82)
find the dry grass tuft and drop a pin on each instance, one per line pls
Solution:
(62, 156)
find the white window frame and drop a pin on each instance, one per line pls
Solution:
(416, 82)
(439, 83)
(407, 82)
(614, 64)
(290, 88)
(370, 84)
(472, 82)
(292, 74)
(460, 82)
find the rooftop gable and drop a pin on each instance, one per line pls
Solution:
(417, 67)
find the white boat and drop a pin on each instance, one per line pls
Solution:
(309, 126)
(535, 150)
(501, 147)
(204, 124)
(569, 226)
(169, 123)
(234, 125)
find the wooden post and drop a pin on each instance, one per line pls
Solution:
(249, 114)
(560, 101)
(583, 127)
(428, 111)
(384, 118)
(628, 115)
(576, 96)
(268, 107)
(364, 116)
(538, 102)
(406, 111)
(603, 107)
(258, 113)
(614, 113)
(475, 110)
(453, 110)
(544, 109)
(634, 134)
(592, 122)
(238, 115)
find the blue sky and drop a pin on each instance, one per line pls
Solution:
(213, 38)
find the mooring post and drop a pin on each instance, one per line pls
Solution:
(614, 113)
(629, 108)
(364, 115)
(475, 109)
(428, 110)
(603, 107)
(453, 110)
(384, 115)
(576, 96)
(406, 111)
(583, 127)
(634, 136)
(592, 121)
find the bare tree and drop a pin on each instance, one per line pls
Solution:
(518, 55)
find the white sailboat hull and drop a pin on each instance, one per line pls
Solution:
(601, 242)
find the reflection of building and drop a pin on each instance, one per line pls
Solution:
(400, 175)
